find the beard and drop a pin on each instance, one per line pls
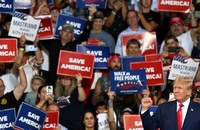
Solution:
(115, 68)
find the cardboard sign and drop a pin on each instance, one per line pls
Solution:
(77, 23)
(132, 122)
(8, 49)
(101, 54)
(154, 72)
(103, 121)
(183, 67)
(72, 63)
(174, 5)
(51, 120)
(147, 41)
(87, 3)
(127, 60)
(7, 119)
(6, 6)
(128, 82)
(22, 4)
(46, 29)
(157, 57)
(24, 24)
(29, 117)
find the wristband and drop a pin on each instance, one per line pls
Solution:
(110, 101)
(113, 12)
(21, 49)
(21, 67)
(191, 14)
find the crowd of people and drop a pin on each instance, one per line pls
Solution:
(82, 102)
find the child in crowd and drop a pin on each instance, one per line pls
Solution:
(36, 82)
(102, 116)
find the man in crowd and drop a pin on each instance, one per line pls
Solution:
(181, 114)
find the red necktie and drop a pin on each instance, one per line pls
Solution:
(179, 116)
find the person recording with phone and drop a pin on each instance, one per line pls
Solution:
(44, 97)
(171, 49)
(196, 93)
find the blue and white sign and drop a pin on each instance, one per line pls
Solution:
(6, 6)
(77, 23)
(22, 4)
(128, 82)
(30, 118)
(101, 53)
(23, 24)
(183, 67)
(87, 3)
(127, 60)
(7, 119)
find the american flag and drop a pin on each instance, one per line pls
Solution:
(180, 59)
(21, 16)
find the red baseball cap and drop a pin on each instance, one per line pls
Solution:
(176, 20)
(54, 7)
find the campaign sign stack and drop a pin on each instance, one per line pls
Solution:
(29, 118)
(127, 60)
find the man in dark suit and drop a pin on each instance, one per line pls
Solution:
(165, 117)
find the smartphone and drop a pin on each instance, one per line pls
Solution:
(49, 89)
(174, 49)
(171, 97)
(31, 48)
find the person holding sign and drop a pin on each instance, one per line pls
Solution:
(181, 113)
(133, 28)
(12, 99)
(103, 83)
(70, 96)
(65, 42)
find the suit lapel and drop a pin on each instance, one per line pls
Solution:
(189, 115)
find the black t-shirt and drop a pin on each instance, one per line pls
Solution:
(8, 101)
(151, 16)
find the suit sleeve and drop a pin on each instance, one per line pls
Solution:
(151, 122)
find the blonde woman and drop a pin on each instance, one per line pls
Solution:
(70, 96)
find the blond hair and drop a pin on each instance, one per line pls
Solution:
(60, 90)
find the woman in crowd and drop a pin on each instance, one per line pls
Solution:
(70, 96)
(89, 121)
(43, 98)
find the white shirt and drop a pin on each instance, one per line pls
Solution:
(128, 31)
(185, 41)
(184, 109)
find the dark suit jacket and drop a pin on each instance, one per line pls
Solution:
(165, 117)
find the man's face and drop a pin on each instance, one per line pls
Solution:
(132, 19)
(133, 50)
(115, 64)
(171, 43)
(146, 3)
(66, 35)
(181, 92)
(2, 88)
(98, 24)
(54, 15)
(176, 29)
